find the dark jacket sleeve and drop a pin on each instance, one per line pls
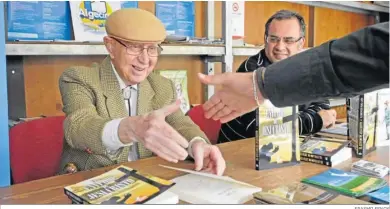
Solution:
(355, 64)
(310, 121)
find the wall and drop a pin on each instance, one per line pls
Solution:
(41, 72)
(5, 178)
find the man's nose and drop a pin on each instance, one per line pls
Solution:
(280, 45)
(144, 57)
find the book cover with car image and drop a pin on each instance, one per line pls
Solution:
(324, 151)
(361, 118)
(277, 141)
(345, 182)
(121, 185)
(299, 193)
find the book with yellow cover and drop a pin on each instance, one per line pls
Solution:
(277, 140)
(325, 151)
(121, 185)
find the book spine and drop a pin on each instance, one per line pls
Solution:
(312, 160)
(257, 141)
(360, 141)
(348, 105)
(325, 160)
(73, 197)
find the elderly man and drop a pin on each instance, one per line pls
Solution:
(284, 37)
(119, 111)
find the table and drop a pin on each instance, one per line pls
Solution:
(239, 156)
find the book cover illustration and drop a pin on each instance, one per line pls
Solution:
(346, 182)
(121, 185)
(383, 119)
(381, 196)
(299, 193)
(277, 140)
(362, 112)
(323, 151)
(179, 78)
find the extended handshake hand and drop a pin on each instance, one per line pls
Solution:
(234, 99)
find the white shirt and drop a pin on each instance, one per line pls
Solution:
(110, 136)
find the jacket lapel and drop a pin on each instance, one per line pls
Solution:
(145, 97)
(111, 90)
(145, 105)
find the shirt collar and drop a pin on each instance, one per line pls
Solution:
(122, 84)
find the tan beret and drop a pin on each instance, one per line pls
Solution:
(135, 25)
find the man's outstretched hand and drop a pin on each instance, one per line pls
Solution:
(234, 99)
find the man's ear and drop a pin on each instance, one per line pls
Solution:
(109, 46)
(301, 43)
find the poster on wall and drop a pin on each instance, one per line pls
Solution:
(238, 19)
(89, 17)
(179, 78)
(177, 16)
(38, 20)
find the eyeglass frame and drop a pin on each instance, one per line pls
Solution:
(284, 39)
(140, 52)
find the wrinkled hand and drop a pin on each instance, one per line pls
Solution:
(234, 99)
(328, 118)
(155, 134)
(208, 158)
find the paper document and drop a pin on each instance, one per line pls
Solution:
(204, 188)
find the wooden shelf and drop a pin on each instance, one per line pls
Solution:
(246, 51)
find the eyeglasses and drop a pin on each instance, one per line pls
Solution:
(286, 40)
(137, 49)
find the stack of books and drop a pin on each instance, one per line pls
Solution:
(324, 151)
(122, 185)
(367, 168)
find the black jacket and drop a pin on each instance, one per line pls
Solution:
(355, 64)
(245, 126)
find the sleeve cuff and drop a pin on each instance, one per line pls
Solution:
(317, 123)
(260, 74)
(189, 149)
(110, 136)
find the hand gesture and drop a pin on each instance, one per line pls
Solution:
(328, 118)
(208, 158)
(234, 99)
(155, 134)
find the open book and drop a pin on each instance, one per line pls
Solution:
(203, 188)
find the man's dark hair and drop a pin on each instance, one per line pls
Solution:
(284, 15)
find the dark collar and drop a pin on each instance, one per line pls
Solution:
(265, 61)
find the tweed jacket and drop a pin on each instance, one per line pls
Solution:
(92, 97)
